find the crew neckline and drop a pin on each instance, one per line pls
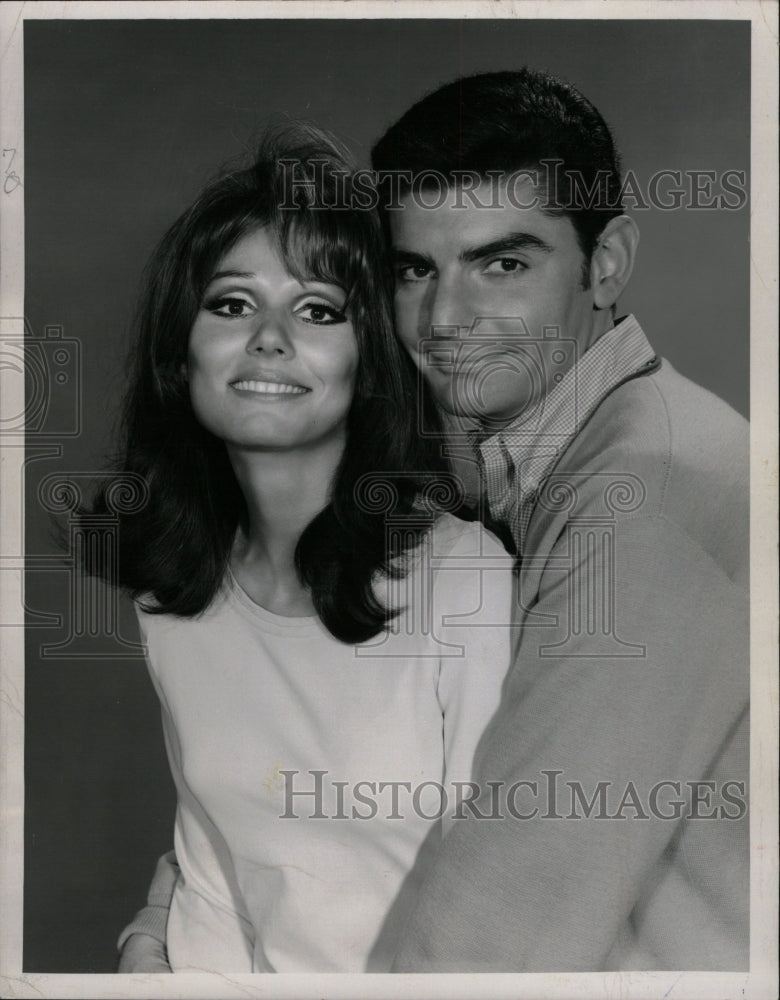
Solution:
(269, 620)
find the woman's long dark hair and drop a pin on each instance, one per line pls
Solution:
(174, 552)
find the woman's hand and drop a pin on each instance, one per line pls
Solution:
(143, 953)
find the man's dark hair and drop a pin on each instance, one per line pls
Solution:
(513, 121)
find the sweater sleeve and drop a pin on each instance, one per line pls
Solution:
(558, 881)
(153, 918)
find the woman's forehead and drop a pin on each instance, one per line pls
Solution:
(261, 253)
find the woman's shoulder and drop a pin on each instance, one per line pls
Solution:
(154, 622)
(450, 543)
(472, 573)
(452, 536)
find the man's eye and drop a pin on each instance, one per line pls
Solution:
(414, 272)
(505, 265)
(231, 307)
(319, 313)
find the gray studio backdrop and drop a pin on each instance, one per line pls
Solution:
(124, 122)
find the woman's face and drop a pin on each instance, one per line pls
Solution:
(271, 362)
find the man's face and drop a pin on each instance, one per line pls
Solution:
(490, 302)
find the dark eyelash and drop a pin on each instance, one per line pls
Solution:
(221, 301)
(334, 315)
(513, 260)
(402, 269)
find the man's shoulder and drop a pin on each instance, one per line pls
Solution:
(666, 429)
(660, 446)
(664, 412)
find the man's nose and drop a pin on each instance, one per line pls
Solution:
(448, 306)
(271, 336)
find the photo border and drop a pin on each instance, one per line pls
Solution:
(761, 981)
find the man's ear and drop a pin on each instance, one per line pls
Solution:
(613, 260)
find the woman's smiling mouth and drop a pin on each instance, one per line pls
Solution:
(263, 388)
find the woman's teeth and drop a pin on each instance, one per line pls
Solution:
(277, 388)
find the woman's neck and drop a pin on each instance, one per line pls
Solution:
(284, 491)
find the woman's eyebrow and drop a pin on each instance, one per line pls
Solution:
(505, 244)
(230, 274)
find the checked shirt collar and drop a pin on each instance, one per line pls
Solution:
(515, 461)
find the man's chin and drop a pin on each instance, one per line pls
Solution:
(452, 405)
(483, 416)
(462, 423)
(493, 401)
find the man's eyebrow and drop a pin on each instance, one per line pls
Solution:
(402, 256)
(505, 244)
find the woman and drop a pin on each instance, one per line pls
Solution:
(292, 580)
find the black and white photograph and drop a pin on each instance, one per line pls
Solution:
(388, 566)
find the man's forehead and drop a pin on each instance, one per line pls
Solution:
(480, 211)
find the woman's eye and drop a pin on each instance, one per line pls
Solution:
(505, 265)
(228, 306)
(413, 272)
(318, 312)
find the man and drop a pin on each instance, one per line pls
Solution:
(624, 488)
(608, 825)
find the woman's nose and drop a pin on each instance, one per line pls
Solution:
(271, 336)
